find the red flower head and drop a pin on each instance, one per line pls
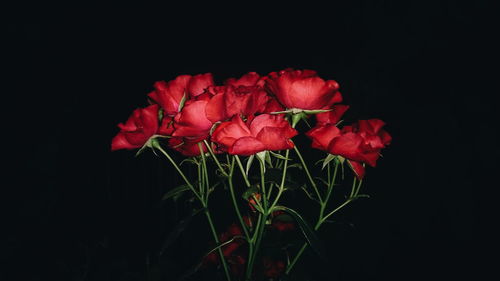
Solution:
(140, 126)
(303, 89)
(264, 132)
(359, 143)
(169, 95)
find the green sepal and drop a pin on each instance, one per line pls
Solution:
(327, 160)
(249, 163)
(183, 101)
(262, 158)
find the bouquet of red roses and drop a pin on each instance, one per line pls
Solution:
(242, 131)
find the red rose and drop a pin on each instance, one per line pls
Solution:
(141, 125)
(169, 95)
(264, 132)
(303, 89)
(359, 143)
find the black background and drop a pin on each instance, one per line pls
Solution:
(75, 209)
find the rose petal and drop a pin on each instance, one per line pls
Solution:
(246, 146)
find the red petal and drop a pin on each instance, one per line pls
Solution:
(215, 109)
(120, 142)
(274, 138)
(249, 79)
(333, 116)
(199, 83)
(246, 146)
(192, 120)
(348, 146)
(322, 136)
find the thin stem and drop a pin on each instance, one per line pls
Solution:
(353, 187)
(205, 173)
(263, 217)
(180, 172)
(215, 158)
(282, 184)
(247, 182)
(296, 258)
(216, 238)
(331, 182)
(263, 184)
(235, 203)
(336, 209)
(308, 173)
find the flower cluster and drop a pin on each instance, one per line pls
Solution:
(250, 114)
(256, 116)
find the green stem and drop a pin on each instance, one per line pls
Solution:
(205, 173)
(235, 203)
(308, 173)
(247, 182)
(321, 218)
(215, 158)
(331, 182)
(282, 184)
(180, 172)
(262, 223)
(216, 238)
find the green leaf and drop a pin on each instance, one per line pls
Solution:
(279, 156)
(296, 165)
(175, 192)
(307, 231)
(178, 229)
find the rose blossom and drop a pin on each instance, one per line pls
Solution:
(264, 132)
(359, 143)
(303, 89)
(169, 95)
(140, 126)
